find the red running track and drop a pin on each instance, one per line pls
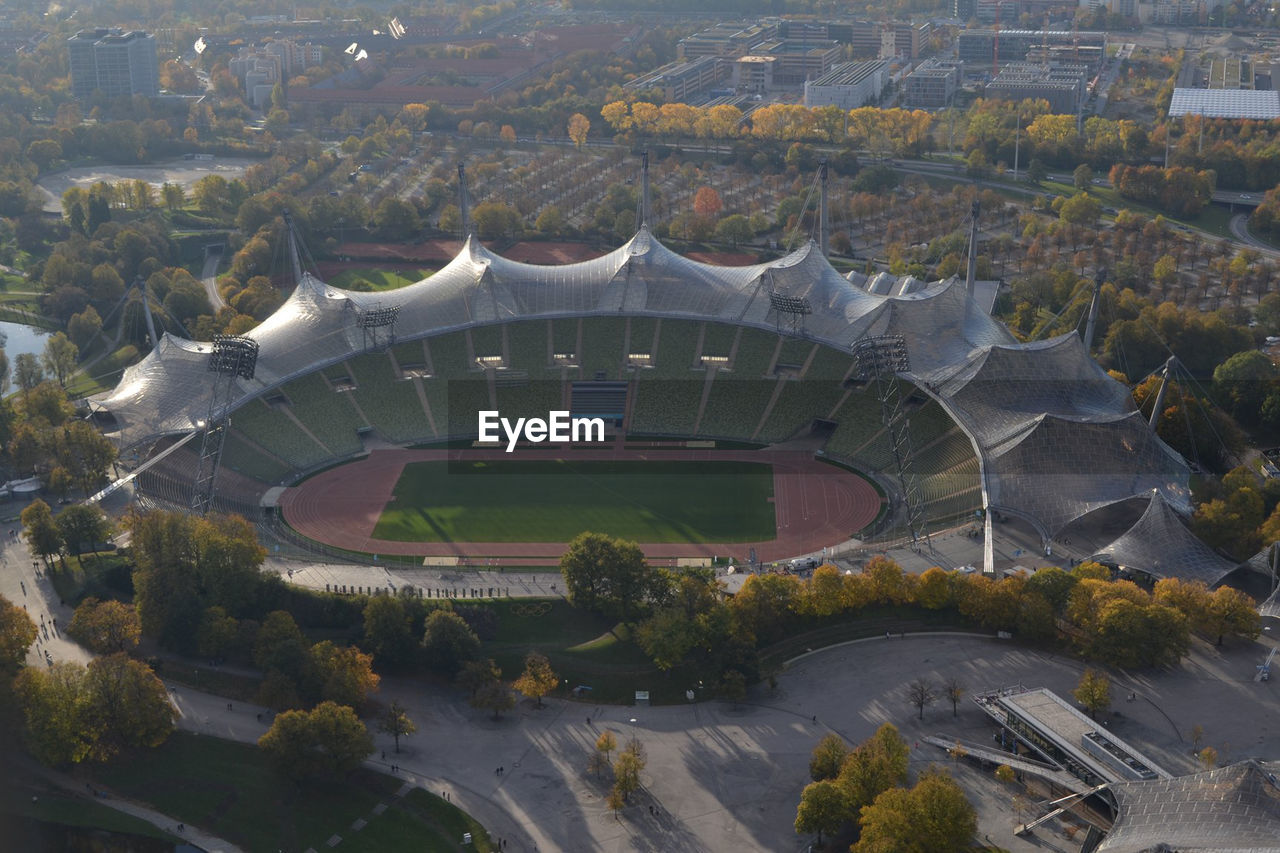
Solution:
(816, 504)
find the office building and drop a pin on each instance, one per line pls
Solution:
(114, 63)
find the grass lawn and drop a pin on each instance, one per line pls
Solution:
(375, 279)
(228, 789)
(553, 501)
(60, 808)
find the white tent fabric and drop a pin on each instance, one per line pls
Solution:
(1055, 436)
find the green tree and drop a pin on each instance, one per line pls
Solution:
(733, 686)
(40, 530)
(395, 722)
(1080, 209)
(328, 740)
(476, 674)
(1093, 692)
(83, 526)
(57, 724)
(932, 817)
(217, 635)
(734, 229)
(1082, 177)
(828, 756)
(396, 218)
(388, 630)
(129, 704)
(538, 679)
(823, 808)
(106, 626)
(448, 642)
(83, 327)
(27, 373)
(607, 575)
(550, 221)
(1243, 381)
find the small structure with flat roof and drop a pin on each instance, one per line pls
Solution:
(1050, 727)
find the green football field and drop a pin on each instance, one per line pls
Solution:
(553, 501)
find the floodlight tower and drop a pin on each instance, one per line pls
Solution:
(794, 307)
(971, 270)
(378, 325)
(1099, 277)
(233, 357)
(464, 205)
(879, 360)
(824, 214)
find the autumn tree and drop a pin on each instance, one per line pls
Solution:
(538, 679)
(827, 758)
(822, 809)
(1093, 692)
(17, 633)
(1232, 612)
(328, 740)
(932, 817)
(494, 696)
(343, 674)
(395, 722)
(579, 126)
(707, 202)
(129, 704)
(954, 691)
(106, 626)
(877, 764)
(627, 769)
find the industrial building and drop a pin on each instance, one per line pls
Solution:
(932, 84)
(985, 48)
(848, 85)
(1063, 86)
(1226, 103)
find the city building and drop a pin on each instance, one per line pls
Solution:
(684, 81)
(259, 69)
(909, 39)
(848, 85)
(798, 60)
(113, 62)
(980, 49)
(1063, 86)
(754, 74)
(932, 84)
(726, 40)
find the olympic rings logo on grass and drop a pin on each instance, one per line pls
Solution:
(542, 608)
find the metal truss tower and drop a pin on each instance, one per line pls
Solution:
(232, 358)
(879, 360)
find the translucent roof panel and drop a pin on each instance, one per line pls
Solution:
(1055, 436)
(1161, 545)
(1058, 469)
(1263, 105)
(1233, 809)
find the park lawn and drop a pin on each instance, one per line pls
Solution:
(418, 821)
(553, 501)
(377, 280)
(57, 807)
(229, 789)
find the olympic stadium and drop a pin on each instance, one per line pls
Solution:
(961, 420)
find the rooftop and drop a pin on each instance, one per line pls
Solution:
(1226, 103)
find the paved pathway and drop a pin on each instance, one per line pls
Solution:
(728, 779)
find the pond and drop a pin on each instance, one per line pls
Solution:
(17, 338)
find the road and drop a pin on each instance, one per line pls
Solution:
(1240, 230)
(209, 277)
